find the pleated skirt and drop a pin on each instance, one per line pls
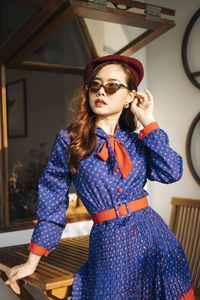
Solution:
(134, 257)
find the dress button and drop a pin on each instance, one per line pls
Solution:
(120, 190)
(117, 170)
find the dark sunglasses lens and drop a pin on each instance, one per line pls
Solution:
(94, 86)
(111, 88)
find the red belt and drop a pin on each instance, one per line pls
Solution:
(120, 210)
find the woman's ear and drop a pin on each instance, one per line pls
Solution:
(131, 96)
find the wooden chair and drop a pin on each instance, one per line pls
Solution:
(185, 224)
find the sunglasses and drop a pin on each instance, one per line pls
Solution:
(109, 88)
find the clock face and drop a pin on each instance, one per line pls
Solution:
(192, 148)
(191, 49)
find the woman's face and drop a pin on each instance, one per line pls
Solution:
(113, 104)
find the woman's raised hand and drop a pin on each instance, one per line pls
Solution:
(142, 107)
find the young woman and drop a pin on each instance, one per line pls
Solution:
(133, 254)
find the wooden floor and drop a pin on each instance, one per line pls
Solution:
(54, 274)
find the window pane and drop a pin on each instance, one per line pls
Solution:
(68, 46)
(109, 37)
(47, 99)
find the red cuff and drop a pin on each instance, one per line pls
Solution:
(147, 129)
(39, 250)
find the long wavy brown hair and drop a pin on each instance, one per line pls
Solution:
(83, 126)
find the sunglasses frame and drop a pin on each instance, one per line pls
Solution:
(119, 85)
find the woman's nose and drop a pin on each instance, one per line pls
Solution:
(101, 91)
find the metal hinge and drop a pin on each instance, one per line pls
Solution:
(98, 4)
(153, 12)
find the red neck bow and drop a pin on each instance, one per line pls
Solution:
(122, 157)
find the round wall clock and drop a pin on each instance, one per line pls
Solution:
(192, 148)
(191, 40)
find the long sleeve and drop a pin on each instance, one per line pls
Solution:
(53, 201)
(163, 163)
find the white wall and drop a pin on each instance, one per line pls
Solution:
(24, 236)
(177, 101)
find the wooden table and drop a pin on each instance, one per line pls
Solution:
(54, 274)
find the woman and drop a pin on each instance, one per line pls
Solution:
(133, 254)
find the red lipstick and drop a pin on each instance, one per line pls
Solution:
(100, 102)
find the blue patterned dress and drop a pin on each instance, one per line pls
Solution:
(134, 257)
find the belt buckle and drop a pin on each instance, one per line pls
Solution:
(117, 210)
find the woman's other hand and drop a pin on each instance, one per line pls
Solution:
(142, 107)
(21, 271)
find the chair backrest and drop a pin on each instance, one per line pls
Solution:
(185, 224)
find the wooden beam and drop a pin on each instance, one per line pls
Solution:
(113, 15)
(83, 10)
(130, 3)
(4, 150)
(38, 2)
(24, 33)
(44, 67)
(64, 15)
(141, 5)
(185, 202)
(1, 161)
(144, 39)
(87, 39)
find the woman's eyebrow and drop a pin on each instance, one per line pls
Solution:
(109, 79)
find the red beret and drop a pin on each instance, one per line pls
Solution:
(133, 64)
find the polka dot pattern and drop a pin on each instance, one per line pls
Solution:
(138, 258)
(133, 257)
(53, 201)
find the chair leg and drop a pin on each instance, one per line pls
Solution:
(59, 293)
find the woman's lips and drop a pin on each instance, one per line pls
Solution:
(100, 102)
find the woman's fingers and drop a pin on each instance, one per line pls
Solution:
(143, 97)
(21, 271)
(135, 102)
(11, 272)
(142, 103)
(149, 95)
(14, 286)
(144, 100)
(142, 107)
(13, 275)
(12, 282)
(13, 278)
